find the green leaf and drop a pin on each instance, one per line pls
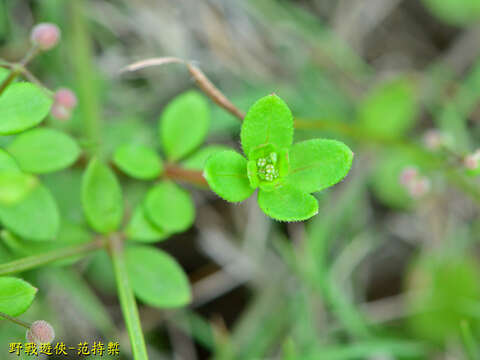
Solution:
(319, 163)
(197, 160)
(138, 161)
(226, 174)
(101, 198)
(156, 277)
(287, 204)
(14, 186)
(16, 295)
(22, 106)
(389, 110)
(169, 207)
(269, 121)
(35, 217)
(184, 124)
(141, 229)
(43, 150)
(7, 163)
(455, 12)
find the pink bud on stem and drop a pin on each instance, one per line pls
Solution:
(45, 36)
(41, 332)
(63, 104)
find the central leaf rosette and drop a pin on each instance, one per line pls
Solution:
(267, 167)
(284, 173)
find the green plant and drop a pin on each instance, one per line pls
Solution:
(285, 174)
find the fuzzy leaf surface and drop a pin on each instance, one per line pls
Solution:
(318, 163)
(268, 121)
(287, 204)
(226, 174)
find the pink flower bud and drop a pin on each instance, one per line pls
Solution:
(60, 112)
(433, 139)
(66, 98)
(419, 187)
(408, 175)
(45, 35)
(41, 332)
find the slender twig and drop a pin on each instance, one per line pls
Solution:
(175, 172)
(15, 320)
(127, 299)
(200, 78)
(35, 261)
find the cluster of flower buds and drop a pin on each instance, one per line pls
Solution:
(472, 161)
(41, 332)
(433, 139)
(416, 185)
(45, 36)
(63, 104)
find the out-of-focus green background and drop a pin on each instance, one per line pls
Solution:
(377, 274)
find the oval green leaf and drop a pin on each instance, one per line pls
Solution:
(142, 230)
(389, 110)
(169, 207)
(319, 163)
(22, 106)
(156, 277)
(8, 163)
(35, 217)
(16, 295)
(226, 174)
(138, 161)
(43, 150)
(101, 198)
(455, 12)
(269, 121)
(14, 186)
(287, 204)
(184, 124)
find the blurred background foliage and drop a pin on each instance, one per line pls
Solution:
(379, 273)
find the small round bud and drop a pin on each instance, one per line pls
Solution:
(60, 112)
(45, 35)
(66, 98)
(41, 332)
(433, 139)
(419, 187)
(408, 175)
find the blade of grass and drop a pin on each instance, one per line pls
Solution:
(127, 299)
(35, 261)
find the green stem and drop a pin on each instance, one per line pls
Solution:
(15, 320)
(127, 299)
(8, 80)
(86, 79)
(34, 261)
